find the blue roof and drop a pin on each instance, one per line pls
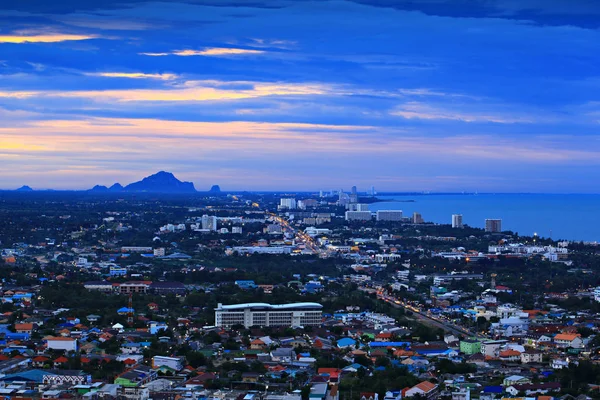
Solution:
(389, 344)
(346, 342)
(493, 389)
(35, 375)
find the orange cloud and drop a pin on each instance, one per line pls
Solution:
(210, 51)
(44, 38)
(193, 91)
(134, 75)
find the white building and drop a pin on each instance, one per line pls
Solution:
(389, 215)
(209, 222)
(290, 204)
(174, 363)
(159, 252)
(236, 229)
(264, 314)
(259, 250)
(457, 221)
(62, 343)
(358, 215)
(357, 207)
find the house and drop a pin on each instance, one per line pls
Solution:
(515, 380)
(533, 388)
(425, 389)
(174, 363)
(491, 393)
(509, 355)
(283, 354)
(60, 362)
(61, 343)
(250, 377)
(531, 356)
(564, 340)
(137, 376)
(25, 328)
(257, 344)
(346, 342)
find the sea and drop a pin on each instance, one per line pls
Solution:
(558, 216)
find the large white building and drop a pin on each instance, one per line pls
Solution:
(209, 222)
(61, 343)
(389, 215)
(457, 221)
(290, 204)
(358, 215)
(264, 314)
(357, 207)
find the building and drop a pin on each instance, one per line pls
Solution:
(117, 271)
(470, 347)
(357, 207)
(417, 218)
(274, 229)
(264, 314)
(61, 343)
(159, 252)
(425, 389)
(493, 225)
(568, 340)
(101, 286)
(289, 204)
(457, 221)
(491, 348)
(236, 229)
(134, 287)
(531, 356)
(174, 363)
(162, 288)
(358, 215)
(389, 215)
(209, 222)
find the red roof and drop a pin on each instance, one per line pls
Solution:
(61, 359)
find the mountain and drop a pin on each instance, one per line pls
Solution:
(117, 187)
(24, 188)
(161, 182)
(215, 189)
(99, 189)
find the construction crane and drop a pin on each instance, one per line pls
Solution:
(130, 310)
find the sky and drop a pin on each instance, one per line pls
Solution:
(403, 95)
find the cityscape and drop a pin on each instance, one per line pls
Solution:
(143, 294)
(299, 200)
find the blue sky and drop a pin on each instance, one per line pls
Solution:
(437, 95)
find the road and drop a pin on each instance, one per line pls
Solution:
(300, 236)
(426, 319)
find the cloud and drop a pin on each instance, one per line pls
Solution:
(423, 111)
(210, 52)
(45, 38)
(134, 75)
(191, 91)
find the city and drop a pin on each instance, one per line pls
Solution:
(286, 297)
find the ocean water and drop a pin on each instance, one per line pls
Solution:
(559, 216)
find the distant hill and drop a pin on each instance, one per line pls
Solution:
(24, 188)
(161, 182)
(117, 187)
(215, 189)
(99, 189)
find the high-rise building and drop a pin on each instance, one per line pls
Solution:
(290, 204)
(389, 215)
(493, 225)
(354, 195)
(417, 218)
(373, 191)
(209, 222)
(357, 207)
(358, 216)
(457, 221)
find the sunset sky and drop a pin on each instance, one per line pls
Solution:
(436, 95)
